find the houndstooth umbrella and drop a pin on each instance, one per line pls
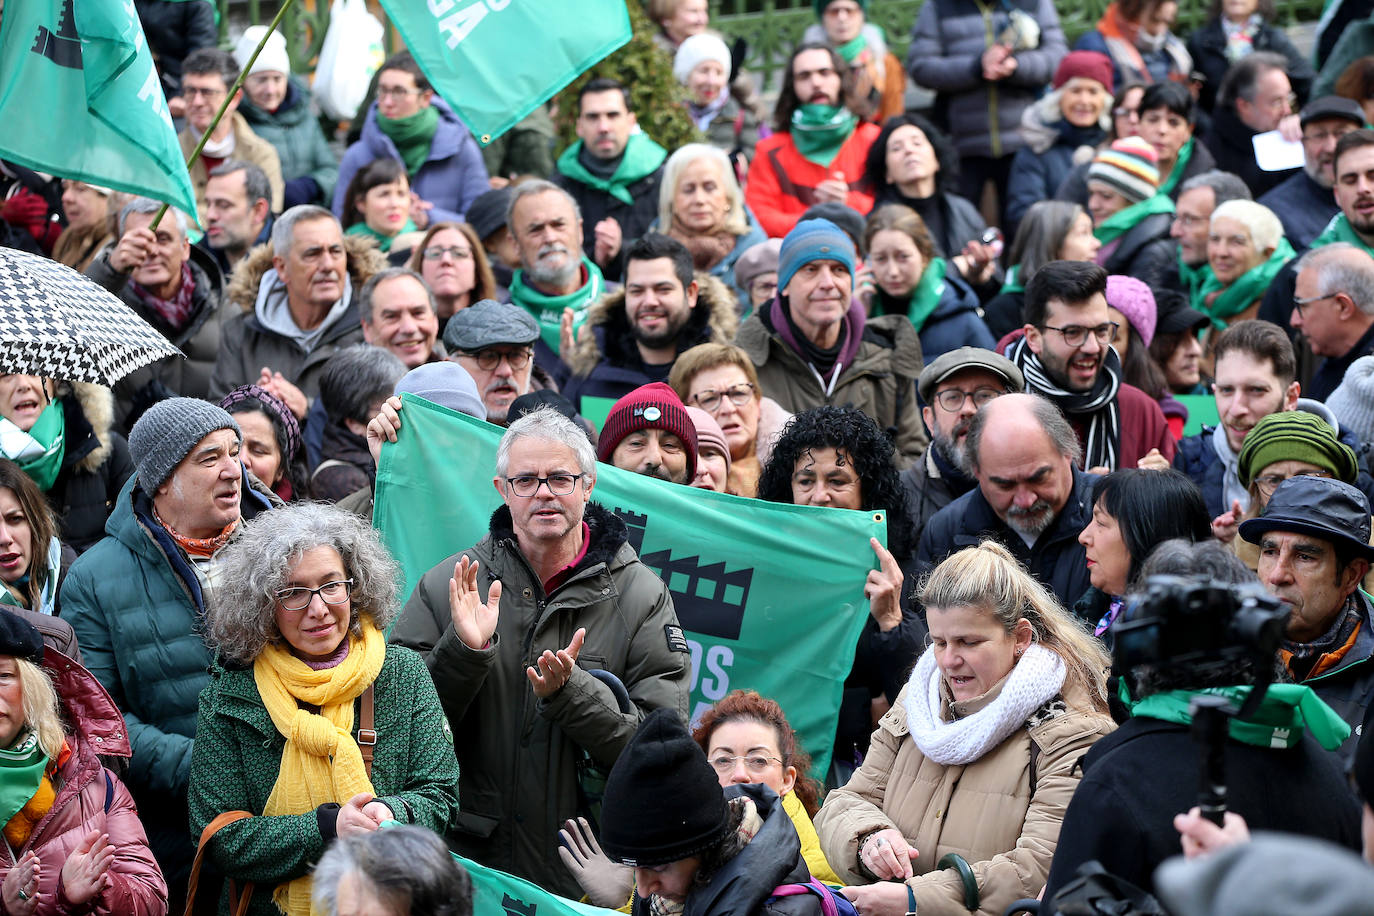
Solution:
(60, 324)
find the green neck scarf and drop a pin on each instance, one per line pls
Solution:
(641, 158)
(1340, 230)
(925, 296)
(412, 135)
(1185, 154)
(820, 130)
(1284, 712)
(39, 451)
(1122, 221)
(21, 773)
(851, 49)
(1193, 278)
(1013, 282)
(1249, 286)
(548, 310)
(383, 241)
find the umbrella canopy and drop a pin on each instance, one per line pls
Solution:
(57, 323)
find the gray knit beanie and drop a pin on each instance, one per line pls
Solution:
(1353, 400)
(168, 431)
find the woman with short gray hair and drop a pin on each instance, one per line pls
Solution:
(404, 871)
(311, 722)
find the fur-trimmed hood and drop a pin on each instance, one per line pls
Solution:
(715, 319)
(96, 403)
(1043, 125)
(364, 260)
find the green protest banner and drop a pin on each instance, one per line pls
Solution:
(770, 595)
(495, 893)
(80, 99)
(1202, 411)
(495, 61)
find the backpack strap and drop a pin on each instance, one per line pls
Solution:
(238, 902)
(109, 791)
(828, 907)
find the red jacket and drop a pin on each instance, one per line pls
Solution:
(1143, 427)
(89, 798)
(782, 183)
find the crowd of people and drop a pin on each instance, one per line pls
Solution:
(996, 318)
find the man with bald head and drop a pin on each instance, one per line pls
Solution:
(1333, 306)
(1031, 496)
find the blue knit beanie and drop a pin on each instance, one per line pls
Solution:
(813, 240)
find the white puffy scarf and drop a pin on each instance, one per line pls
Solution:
(1034, 680)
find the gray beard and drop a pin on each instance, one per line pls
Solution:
(949, 451)
(555, 277)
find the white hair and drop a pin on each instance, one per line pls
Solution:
(736, 222)
(1264, 227)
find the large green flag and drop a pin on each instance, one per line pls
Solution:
(79, 98)
(495, 61)
(495, 893)
(770, 595)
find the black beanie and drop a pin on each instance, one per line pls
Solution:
(663, 801)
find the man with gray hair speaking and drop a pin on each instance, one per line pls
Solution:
(503, 626)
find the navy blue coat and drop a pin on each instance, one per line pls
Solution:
(1303, 206)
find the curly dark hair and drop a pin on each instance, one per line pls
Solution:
(875, 165)
(868, 449)
(787, 95)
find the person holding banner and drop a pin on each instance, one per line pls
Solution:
(555, 583)
(979, 756)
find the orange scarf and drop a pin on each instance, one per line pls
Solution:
(199, 547)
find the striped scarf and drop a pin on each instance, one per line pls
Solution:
(1096, 410)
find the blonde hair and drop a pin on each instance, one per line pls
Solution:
(1264, 227)
(735, 222)
(710, 356)
(988, 576)
(41, 712)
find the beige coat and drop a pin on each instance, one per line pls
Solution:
(985, 811)
(248, 147)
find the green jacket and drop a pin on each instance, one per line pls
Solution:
(520, 756)
(296, 134)
(238, 752)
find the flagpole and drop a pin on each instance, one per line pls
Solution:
(238, 84)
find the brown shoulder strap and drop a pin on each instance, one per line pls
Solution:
(238, 902)
(367, 732)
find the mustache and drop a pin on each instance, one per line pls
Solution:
(656, 470)
(552, 248)
(500, 384)
(1039, 507)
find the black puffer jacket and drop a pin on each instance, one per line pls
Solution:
(1146, 251)
(94, 466)
(175, 29)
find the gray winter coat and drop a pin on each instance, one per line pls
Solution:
(947, 45)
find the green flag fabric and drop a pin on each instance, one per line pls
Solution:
(80, 99)
(770, 595)
(495, 61)
(495, 893)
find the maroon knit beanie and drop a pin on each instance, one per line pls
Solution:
(652, 406)
(1091, 65)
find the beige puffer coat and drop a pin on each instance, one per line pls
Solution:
(987, 811)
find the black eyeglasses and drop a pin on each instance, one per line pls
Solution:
(952, 399)
(487, 360)
(1299, 303)
(708, 399)
(1075, 335)
(526, 485)
(299, 597)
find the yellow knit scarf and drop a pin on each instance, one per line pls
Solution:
(321, 762)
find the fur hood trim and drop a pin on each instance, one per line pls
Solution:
(607, 317)
(1040, 124)
(97, 403)
(364, 260)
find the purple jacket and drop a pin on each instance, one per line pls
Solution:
(450, 178)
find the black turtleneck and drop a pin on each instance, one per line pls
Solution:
(601, 168)
(928, 208)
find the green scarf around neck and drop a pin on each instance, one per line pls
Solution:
(1193, 278)
(1185, 155)
(1013, 282)
(925, 295)
(1248, 287)
(21, 773)
(851, 49)
(548, 310)
(642, 157)
(1123, 221)
(39, 451)
(412, 135)
(820, 130)
(1340, 230)
(383, 241)
(1283, 714)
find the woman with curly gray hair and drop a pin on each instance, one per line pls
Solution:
(284, 730)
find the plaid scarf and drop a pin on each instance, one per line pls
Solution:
(1097, 409)
(175, 310)
(1309, 659)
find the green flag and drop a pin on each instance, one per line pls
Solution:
(495, 61)
(495, 893)
(79, 98)
(770, 595)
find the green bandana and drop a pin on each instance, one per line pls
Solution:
(925, 296)
(1278, 723)
(641, 158)
(413, 135)
(851, 49)
(1123, 221)
(820, 130)
(39, 451)
(1193, 278)
(1185, 154)
(383, 241)
(1013, 282)
(21, 773)
(548, 310)
(1248, 287)
(1340, 230)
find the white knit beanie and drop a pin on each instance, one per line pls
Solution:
(1353, 400)
(273, 56)
(698, 48)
